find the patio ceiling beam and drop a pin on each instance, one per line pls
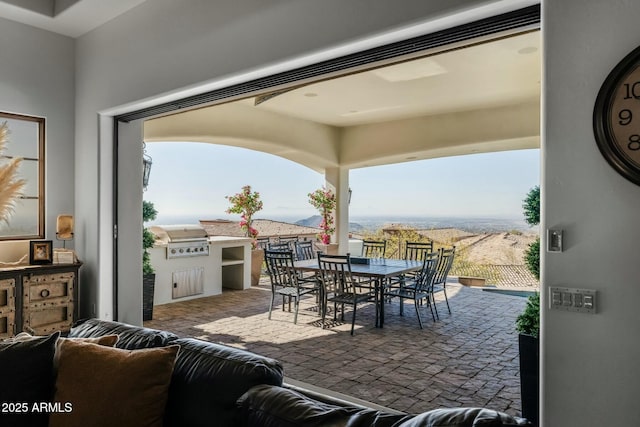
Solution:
(501, 128)
(311, 144)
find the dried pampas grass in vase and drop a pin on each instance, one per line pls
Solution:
(11, 185)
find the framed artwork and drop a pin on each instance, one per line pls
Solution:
(40, 252)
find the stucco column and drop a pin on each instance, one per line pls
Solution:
(337, 179)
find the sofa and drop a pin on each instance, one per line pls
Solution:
(156, 378)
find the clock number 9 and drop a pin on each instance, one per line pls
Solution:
(634, 142)
(625, 117)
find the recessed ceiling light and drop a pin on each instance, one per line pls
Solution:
(527, 50)
(310, 94)
(412, 70)
(370, 111)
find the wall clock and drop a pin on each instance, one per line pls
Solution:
(616, 117)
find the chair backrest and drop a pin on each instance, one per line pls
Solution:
(425, 276)
(262, 242)
(374, 248)
(280, 247)
(304, 250)
(335, 273)
(280, 268)
(291, 240)
(445, 261)
(417, 250)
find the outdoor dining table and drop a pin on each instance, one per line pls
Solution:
(379, 269)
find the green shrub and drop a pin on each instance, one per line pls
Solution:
(149, 213)
(528, 322)
(532, 258)
(531, 206)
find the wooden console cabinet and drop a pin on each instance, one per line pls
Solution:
(38, 299)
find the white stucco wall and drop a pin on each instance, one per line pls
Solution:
(37, 78)
(591, 375)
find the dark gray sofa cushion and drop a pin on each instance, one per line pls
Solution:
(464, 417)
(27, 379)
(209, 378)
(129, 337)
(269, 406)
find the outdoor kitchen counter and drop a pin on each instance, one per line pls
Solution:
(225, 262)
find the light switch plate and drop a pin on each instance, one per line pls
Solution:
(571, 299)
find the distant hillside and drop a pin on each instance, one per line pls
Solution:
(314, 221)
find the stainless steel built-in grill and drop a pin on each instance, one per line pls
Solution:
(183, 240)
(186, 258)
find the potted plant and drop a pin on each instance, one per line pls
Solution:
(528, 327)
(247, 203)
(324, 201)
(149, 213)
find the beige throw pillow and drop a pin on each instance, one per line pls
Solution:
(102, 386)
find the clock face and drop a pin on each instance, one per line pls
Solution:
(616, 117)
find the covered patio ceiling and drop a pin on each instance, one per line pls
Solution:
(484, 97)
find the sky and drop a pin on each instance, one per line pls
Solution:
(191, 180)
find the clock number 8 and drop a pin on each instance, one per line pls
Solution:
(625, 117)
(634, 142)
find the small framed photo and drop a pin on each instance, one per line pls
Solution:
(40, 252)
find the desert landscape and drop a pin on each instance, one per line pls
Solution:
(497, 257)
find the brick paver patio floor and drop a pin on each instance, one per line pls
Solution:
(467, 358)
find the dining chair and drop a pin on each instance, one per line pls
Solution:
(417, 250)
(339, 287)
(439, 280)
(290, 240)
(304, 250)
(284, 280)
(374, 248)
(417, 288)
(414, 251)
(262, 242)
(279, 246)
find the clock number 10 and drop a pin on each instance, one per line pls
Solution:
(632, 90)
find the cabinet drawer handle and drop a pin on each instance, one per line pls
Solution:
(44, 293)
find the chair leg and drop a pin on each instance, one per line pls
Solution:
(342, 314)
(353, 317)
(430, 307)
(444, 290)
(401, 306)
(324, 309)
(296, 305)
(415, 303)
(435, 307)
(273, 297)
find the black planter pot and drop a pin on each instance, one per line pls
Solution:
(529, 376)
(148, 286)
